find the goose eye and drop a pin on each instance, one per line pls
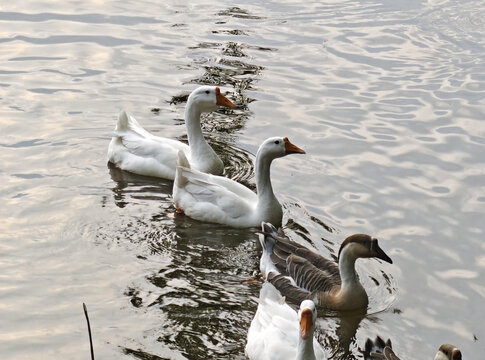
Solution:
(207, 91)
(277, 142)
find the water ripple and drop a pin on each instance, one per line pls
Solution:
(386, 98)
(82, 18)
(108, 41)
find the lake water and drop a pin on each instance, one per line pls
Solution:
(387, 98)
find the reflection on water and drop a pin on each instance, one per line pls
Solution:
(238, 13)
(137, 187)
(239, 165)
(340, 335)
(205, 296)
(201, 291)
(385, 97)
(205, 288)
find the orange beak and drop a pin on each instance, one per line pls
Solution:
(221, 100)
(306, 323)
(292, 149)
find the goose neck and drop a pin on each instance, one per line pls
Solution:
(263, 177)
(192, 122)
(346, 265)
(305, 349)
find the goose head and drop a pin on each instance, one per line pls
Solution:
(276, 147)
(208, 98)
(362, 246)
(448, 352)
(307, 316)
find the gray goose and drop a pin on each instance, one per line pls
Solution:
(380, 350)
(299, 273)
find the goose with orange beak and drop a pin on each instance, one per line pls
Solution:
(278, 332)
(134, 149)
(220, 200)
(299, 273)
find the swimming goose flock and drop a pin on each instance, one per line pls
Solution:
(292, 273)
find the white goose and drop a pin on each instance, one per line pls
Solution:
(220, 200)
(274, 333)
(380, 350)
(299, 273)
(136, 150)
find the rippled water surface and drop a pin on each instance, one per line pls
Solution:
(386, 97)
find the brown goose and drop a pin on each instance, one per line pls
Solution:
(380, 350)
(299, 273)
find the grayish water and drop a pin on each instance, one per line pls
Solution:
(387, 98)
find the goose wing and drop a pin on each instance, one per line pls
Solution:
(301, 279)
(287, 286)
(145, 156)
(273, 334)
(309, 277)
(284, 247)
(308, 269)
(135, 138)
(229, 184)
(294, 270)
(206, 197)
(135, 149)
(153, 146)
(389, 354)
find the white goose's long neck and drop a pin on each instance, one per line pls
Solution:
(192, 121)
(305, 349)
(197, 142)
(263, 179)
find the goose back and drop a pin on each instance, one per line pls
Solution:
(302, 272)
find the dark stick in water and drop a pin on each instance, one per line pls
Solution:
(89, 331)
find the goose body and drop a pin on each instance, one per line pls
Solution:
(278, 332)
(216, 199)
(380, 350)
(299, 273)
(136, 150)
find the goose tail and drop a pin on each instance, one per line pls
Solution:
(123, 122)
(182, 160)
(267, 237)
(378, 349)
(182, 163)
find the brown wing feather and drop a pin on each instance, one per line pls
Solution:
(310, 271)
(324, 270)
(309, 277)
(278, 257)
(287, 289)
(389, 354)
(283, 248)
